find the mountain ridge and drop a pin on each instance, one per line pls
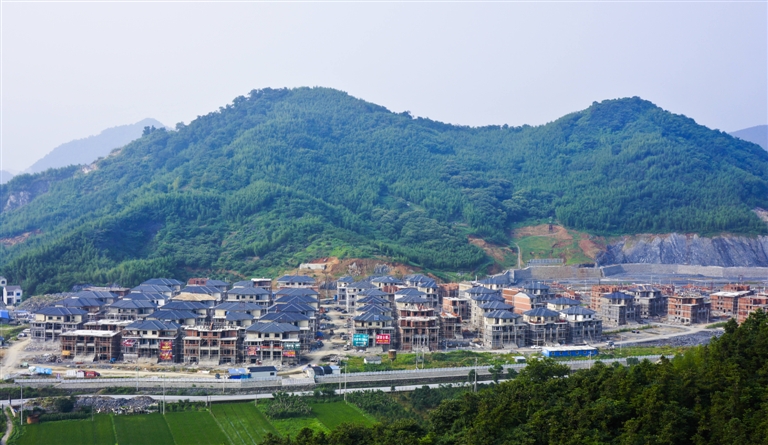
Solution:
(282, 176)
(87, 150)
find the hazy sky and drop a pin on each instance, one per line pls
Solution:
(70, 70)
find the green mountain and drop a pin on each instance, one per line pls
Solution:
(284, 175)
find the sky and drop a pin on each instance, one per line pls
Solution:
(70, 70)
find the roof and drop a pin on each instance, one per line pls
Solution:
(90, 332)
(184, 305)
(153, 325)
(187, 296)
(302, 299)
(252, 290)
(234, 316)
(216, 283)
(495, 296)
(201, 290)
(145, 296)
(374, 309)
(372, 293)
(412, 299)
(61, 311)
(386, 279)
(272, 327)
(370, 316)
(346, 279)
(157, 288)
(482, 290)
(284, 317)
(562, 301)
(244, 283)
(296, 279)
(80, 302)
(100, 294)
(291, 307)
(363, 284)
(12, 288)
(535, 285)
(410, 292)
(644, 288)
(297, 292)
(164, 282)
(495, 304)
(578, 310)
(238, 306)
(133, 304)
(373, 300)
(618, 296)
(262, 369)
(170, 314)
(421, 280)
(541, 312)
(502, 314)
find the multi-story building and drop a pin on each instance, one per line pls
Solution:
(617, 308)
(545, 326)
(457, 306)
(649, 301)
(726, 302)
(50, 322)
(174, 285)
(426, 285)
(93, 307)
(522, 301)
(418, 323)
(272, 341)
(450, 326)
(252, 294)
(130, 309)
(583, 325)
(85, 345)
(296, 281)
(751, 303)
(595, 297)
(201, 310)
(504, 329)
(152, 341)
(479, 295)
(372, 324)
(688, 309)
(213, 345)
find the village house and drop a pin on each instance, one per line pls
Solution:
(12, 295)
(155, 298)
(379, 328)
(522, 301)
(545, 327)
(155, 289)
(296, 281)
(418, 324)
(174, 285)
(93, 307)
(503, 329)
(617, 308)
(450, 326)
(389, 285)
(583, 325)
(152, 341)
(375, 297)
(50, 322)
(424, 284)
(751, 303)
(183, 318)
(688, 308)
(457, 306)
(130, 309)
(252, 294)
(214, 292)
(726, 302)
(479, 295)
(201, 310)
(272, 341)
(649, 301)
(212, 345)
(85, 345)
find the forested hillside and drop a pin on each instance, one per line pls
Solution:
(711, 395)
(284, 175)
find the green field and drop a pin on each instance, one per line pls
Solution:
(70, 432)
(195, 428)
(336, 413)
(226, 424)
(142, 429)
(242, 422)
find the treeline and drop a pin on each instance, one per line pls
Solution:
(280, 175)
(713, 394)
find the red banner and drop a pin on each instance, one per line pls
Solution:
(253, 350)
(288, 353)
(165, 355)
(129, 342)
(382, 339)
(166, 345)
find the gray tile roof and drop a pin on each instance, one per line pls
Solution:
(541, 312)
(370, 317)
(154, 325)
(269, 328)
(502, 314)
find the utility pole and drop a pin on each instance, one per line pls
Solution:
(137, 379)
(345, 383)
(475, 374)
(21, 412)
(163, 394)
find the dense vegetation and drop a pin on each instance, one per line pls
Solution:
(712, 394)
(284, 175)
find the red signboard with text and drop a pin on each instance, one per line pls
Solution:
(382, 339)
(289, 353)
(166, 350)
(253, 350)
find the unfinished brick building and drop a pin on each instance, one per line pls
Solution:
(688, 309)
(87, 345)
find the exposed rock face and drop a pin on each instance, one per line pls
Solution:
(726, 251)
(24, 197)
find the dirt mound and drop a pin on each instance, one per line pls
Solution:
(494, 251)
(12, 241)
(559, 232)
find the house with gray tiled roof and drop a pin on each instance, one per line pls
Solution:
(152, 341)
(273, 341)
(50, 322)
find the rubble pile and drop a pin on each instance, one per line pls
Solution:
(111, 405)
(698, 338)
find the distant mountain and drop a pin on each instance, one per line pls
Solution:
(283, 176)
(5, 176)
(758, 135)
(85, 151)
